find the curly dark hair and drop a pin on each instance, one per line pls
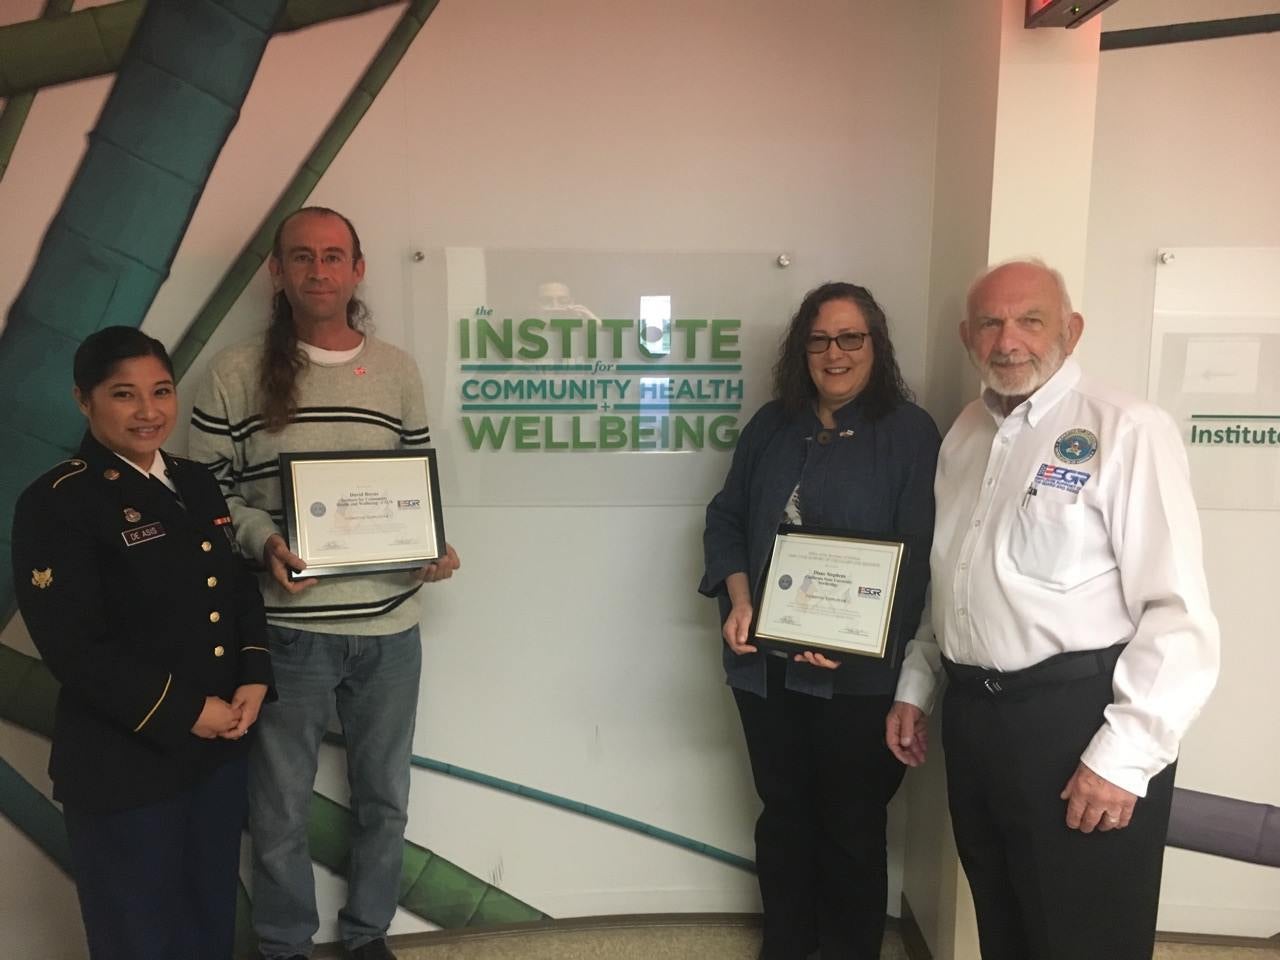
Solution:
(791, 381)
(283, 360)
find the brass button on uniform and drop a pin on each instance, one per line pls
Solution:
(211, 582)
(215, 617)
(206, 546)
(219, 650)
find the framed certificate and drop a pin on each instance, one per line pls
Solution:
(830, 591)
(361, 512)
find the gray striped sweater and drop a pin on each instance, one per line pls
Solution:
(372, 402)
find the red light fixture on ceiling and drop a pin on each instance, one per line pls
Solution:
(1063, 13)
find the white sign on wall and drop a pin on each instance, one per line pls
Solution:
(1215, 366)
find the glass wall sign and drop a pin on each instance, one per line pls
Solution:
(597, 377)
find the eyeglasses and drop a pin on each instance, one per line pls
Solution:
(820, 342)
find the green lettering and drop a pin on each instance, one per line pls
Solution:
(617, 328)
(693, 431)
(576, 440)
(486, 334)
(535, 344)
(690, 329)
(526, 433)
(724, 339)
(480, 429)
(642, 433)
(551, 442)
(613, 433)
(724, 432)
(565, 326)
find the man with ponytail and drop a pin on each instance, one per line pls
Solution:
(319, 380)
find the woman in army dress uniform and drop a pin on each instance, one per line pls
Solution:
(131, 591)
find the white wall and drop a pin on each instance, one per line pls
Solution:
(1185, 149)
(568, 124)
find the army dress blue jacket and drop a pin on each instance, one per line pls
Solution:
(872, 476)
(141, 609)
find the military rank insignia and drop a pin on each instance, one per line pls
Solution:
(225, 524)
(42, 579)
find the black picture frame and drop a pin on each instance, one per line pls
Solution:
(892, 646)
(290, 505)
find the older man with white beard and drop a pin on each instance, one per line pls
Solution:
(1071, 616)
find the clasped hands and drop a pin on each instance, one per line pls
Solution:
(230, 721)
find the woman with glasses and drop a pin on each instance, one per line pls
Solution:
(839, 446)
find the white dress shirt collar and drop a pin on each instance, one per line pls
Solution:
(157, 470)
(1043, 400)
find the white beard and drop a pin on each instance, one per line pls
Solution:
(1023, 378)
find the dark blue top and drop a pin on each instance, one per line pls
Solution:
(878, 481)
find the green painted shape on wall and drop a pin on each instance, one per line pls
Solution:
(32, 704)
(13, 115)
(92, 42)
(16, 670)
(120, 284)
(231, 35)
(446, 894)
(25, 449)
(144, 229)
(189, 143)
(497, 907)
(329, 833)
(110, 245)
(34, 815)
(430, 886)
(258, 247)
(34, 358)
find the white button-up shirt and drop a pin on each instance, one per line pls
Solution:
(157, 470)
(1069, 525)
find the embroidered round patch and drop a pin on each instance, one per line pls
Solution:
(1076, 445)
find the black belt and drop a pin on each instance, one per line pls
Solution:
(1064, 667)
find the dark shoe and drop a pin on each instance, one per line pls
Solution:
(373, 950)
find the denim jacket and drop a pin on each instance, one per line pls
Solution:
(874, 476)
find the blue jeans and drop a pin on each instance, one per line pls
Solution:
(373, 683)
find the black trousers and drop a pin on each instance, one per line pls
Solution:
(159, 882)
(1043, 891)
(825, 776)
